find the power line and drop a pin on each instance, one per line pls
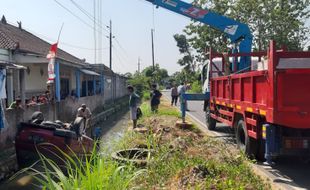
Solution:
(100, 29)
(123, 49)
(53, 40)
(74, 14)
(95, 34)
(119, 59)
(91, 17)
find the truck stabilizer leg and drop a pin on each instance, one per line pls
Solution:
(270, 146)
(183, 110)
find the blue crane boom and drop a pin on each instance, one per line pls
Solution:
(238, 33)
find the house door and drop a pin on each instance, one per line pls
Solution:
(64, 88)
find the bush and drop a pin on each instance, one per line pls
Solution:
(146, 95)
(196, 87)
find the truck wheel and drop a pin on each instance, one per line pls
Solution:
(244, 142)
(210, 122)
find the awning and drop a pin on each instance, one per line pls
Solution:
(11, 65)
(88, 72)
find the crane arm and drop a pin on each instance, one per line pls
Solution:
(238, 33)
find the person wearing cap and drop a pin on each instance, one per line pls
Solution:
(134, 100)
(84, 112)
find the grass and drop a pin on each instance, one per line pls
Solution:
(182, 159)
(225, 166)
(96, 171)
(164, 110)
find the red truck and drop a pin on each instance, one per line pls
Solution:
(269, 106)
(266, 102)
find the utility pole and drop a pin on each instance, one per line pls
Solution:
(95, 33)
(139, 64)
(111, 44)
(153, 57)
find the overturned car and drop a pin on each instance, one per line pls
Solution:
(51, 139)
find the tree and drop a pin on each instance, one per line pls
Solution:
(159, 74)
(281, 20)
(184, 48)
(140, 82)
(128, 75)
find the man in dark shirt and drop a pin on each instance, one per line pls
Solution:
(155, 98)
(174, 95)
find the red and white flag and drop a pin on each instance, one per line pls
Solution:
(52, 52)
(51, 56)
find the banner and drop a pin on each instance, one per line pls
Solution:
(50, 68)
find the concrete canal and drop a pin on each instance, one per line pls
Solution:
(112, 130)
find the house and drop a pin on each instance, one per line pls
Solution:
(23, 60)
(28, 50)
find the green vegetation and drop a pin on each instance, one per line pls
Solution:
(142, 81)
(181, 159)
(96, 171)
(196, 87)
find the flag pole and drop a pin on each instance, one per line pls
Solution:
(60, 32)
(53, 87)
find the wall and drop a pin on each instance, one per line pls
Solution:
(8, 162)
(36, 79)
(67, 108)
(14, 116)
(107, 88)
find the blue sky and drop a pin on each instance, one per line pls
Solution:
(132, 23)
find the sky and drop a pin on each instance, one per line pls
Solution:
(132, 21)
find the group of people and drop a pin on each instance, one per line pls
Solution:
(134, 101)
(35, 100)
(41, 99)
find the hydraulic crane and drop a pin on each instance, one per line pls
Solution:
(238, 33)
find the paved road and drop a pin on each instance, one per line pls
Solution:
(288, 173)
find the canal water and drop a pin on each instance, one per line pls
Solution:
(112, 130)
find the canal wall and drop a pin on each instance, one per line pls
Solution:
(65, 111)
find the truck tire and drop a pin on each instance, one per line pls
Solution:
(244, 142)
(210, 122)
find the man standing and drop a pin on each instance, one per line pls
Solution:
(181, 91)
(155, 98)
(84, 112)
(174, 95)
(134, 100)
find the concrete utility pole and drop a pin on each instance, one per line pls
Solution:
(153, 56)
(139, 64)
(110, 27)
(95, 34)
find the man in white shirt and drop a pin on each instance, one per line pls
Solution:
(181, 91)
(84, 112)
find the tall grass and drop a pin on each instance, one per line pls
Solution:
(162, 110)
(92, 172)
